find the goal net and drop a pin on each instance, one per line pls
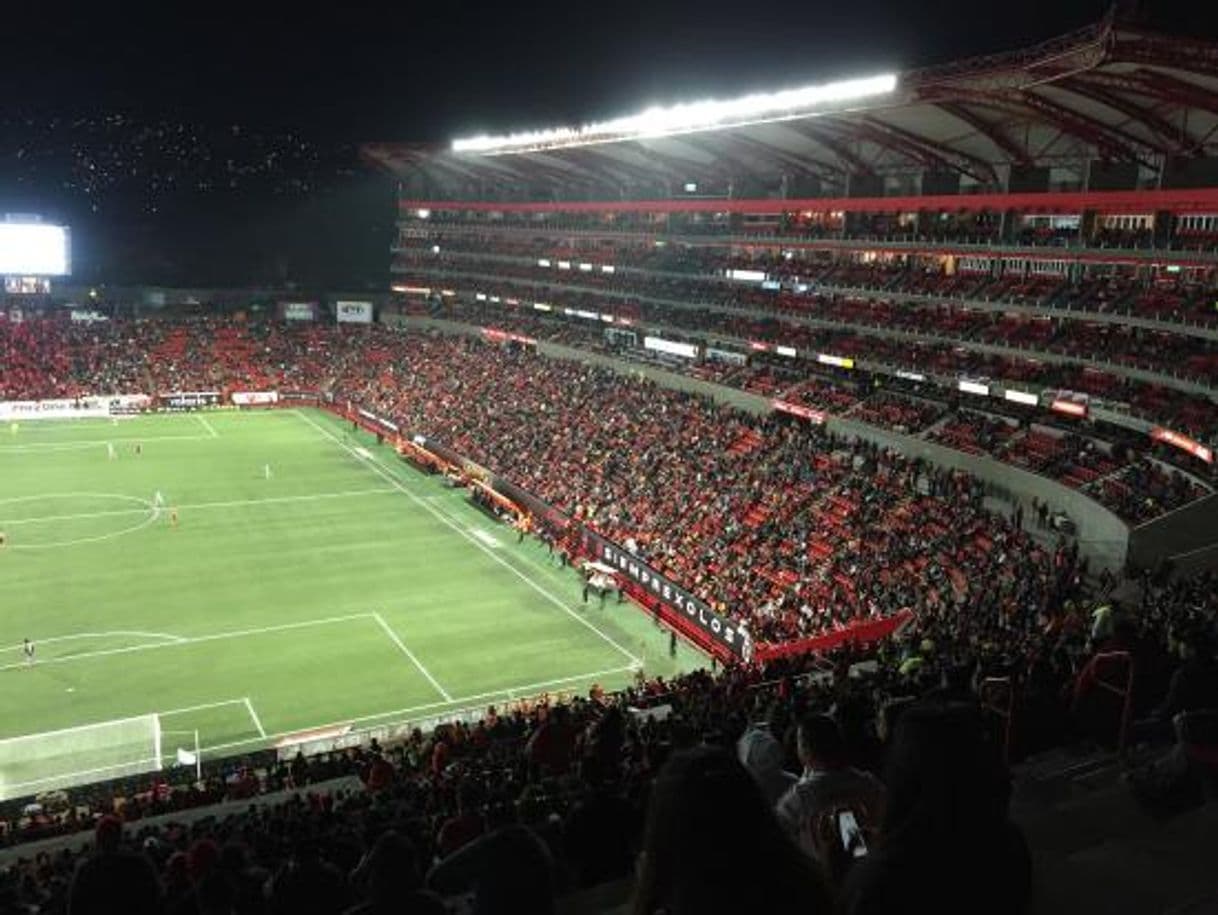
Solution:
(35, 763)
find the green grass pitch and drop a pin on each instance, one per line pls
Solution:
(345, 590)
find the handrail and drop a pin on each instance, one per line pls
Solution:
(1007, 713)
(1091, 674)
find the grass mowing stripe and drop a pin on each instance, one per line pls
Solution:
(393, 637)
(375, 465)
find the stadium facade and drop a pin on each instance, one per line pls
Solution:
(1020, 233)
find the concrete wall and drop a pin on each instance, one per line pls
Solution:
(1186, 533)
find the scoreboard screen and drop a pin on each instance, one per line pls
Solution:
(34, 249)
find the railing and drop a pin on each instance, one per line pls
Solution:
(1091, 675)
(991, 692)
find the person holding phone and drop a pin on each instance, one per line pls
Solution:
(828, 784)
(946, 843)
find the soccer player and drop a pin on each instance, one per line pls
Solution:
(110, 452)
(158, 501)
(139, 448)
(173, 517)
(27, 649)
(266, 472)
(12, 427)
(3, 539)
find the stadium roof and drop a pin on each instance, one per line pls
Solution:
(1107, 93)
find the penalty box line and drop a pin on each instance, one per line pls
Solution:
(244, 702)
(393, 637)
(376, 467)
(439, 708)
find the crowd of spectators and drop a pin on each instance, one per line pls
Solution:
(1194, 414)
(775, 522)
(804, 313)
(48, 358)
(1144, 490)
(746, 772)
(704, 271)
(897, 412)
(982, 229)
(797, 534)
(973, 432)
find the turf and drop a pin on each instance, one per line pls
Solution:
(346, 590)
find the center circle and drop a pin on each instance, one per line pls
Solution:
(53, 520)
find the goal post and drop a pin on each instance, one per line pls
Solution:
(33, 763)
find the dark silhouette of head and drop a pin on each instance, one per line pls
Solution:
(820, 742)
(711, 841)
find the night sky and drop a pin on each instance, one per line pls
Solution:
(272, 104)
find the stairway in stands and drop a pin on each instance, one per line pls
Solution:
(748, 442)
(1095, 849)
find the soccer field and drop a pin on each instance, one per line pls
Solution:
(345, 591)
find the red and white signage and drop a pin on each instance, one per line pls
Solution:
(254, 398)
(502, 336)
(815, 416)
(1076, 408)
(1183, 442)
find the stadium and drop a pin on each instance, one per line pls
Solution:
(735, 505)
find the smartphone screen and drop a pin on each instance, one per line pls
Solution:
(852, 836)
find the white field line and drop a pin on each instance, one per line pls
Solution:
(191, 640)
(140, 766)
(197, 708)
(393, 637)
(486, 537)
(206, 425)
(231, 503)
(254, 715)
(527, 689)
(35, 447)
(101, 422)
(164, 636)
(376, 467)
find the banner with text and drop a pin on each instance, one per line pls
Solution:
(1184, 443)
(353, 312)
(298, 311)
(299, 396)
(75, 408)
(812, 416)
(721, 630)
(188, 400)
(254, 398)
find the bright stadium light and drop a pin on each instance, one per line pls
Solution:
(657, 121)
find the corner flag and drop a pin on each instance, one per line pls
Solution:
(186, 758)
